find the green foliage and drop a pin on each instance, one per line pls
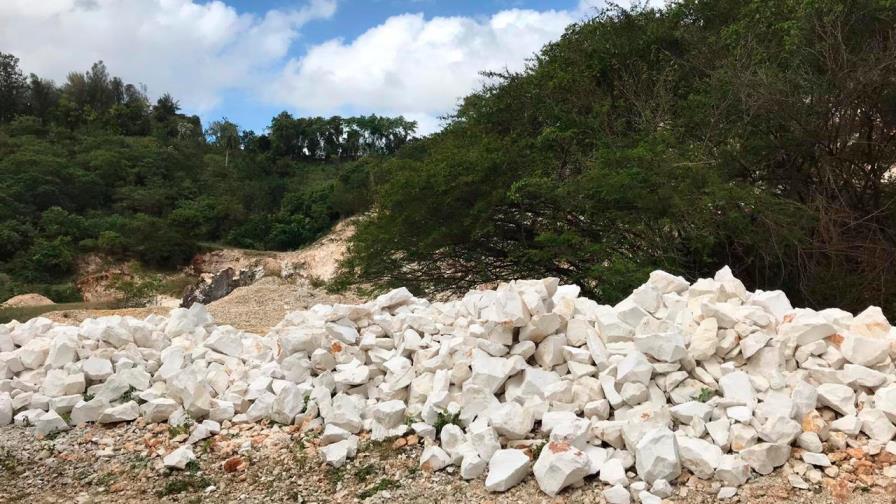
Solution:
(188, 483)
(705, 394)
(444, 419)
(92, 166)
(750, 133)
(381, 485)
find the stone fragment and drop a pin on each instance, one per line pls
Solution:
(506, 469)
(558, 466)
(656, 456)
(179, 458)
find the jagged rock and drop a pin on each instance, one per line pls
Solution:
(179, 458)
(558, 466)
(506, 469)
(616, 494)
(698, 456)
(765, 457)
(656, 456)
(121, 413)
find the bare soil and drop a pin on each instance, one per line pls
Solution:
(273, 464)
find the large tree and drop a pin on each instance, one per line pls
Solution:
(13, 87)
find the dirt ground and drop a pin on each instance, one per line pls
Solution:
(273, 464)
(258, 307)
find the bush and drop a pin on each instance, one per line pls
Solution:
(704, 134)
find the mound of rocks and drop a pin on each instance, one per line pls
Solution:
(23, 300)
(703, 379)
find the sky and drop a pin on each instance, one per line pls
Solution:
(248, 60)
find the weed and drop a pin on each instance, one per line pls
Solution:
(335, 476)
(444, 419)
(8, 461)
(536, 449)
(192, 467)
(185, 484)
(104, 480)
(129, 394)
(705, 394)
(88, 397)
(364, 472)
(383, 484)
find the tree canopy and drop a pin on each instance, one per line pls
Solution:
(743, 132)
(92, 166)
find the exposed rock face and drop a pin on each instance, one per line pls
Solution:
(704, 378)
(212, 287)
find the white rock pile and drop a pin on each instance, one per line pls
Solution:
(704, 378)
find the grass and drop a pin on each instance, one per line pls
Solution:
(383, 484)
(8, 461)
(129, 394)
(364, 472)
(104, 480)
(705, 394)
(25, 313)
(536, 449)
(444, 419)
(335, 476)
(189, 483)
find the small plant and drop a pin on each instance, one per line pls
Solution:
(185, 484)
(88, 397)
(129, 394)
(8, 461)
(705, 394)
(335, 476)
(177, 430)
(536, 449)
(105, 480)
(444, 419)
(383, 484)
(365, 472)
(192, 467)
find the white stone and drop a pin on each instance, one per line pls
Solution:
(506, 469)
(121, 413)
(876, 425)
(732, 471)
(560, 465)
(179, 458)
(336, 454)
(434, 458)
(613, 473)
(839, 398)
(816, 459)
(158, 410)
(49, 423)
(656, 456)
(765, 457)
(616, 494)
(698, 456)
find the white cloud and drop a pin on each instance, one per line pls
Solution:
(415, 66)
(194, 50)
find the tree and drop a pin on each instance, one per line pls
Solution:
(13, 88)
(225, 135)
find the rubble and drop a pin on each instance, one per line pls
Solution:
(704, 379)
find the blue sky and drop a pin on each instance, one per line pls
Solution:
(247, 60)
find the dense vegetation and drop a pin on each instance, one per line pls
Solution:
(93, 166)
(744, 132)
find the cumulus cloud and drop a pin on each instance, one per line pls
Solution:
(412, 65)
(194, 50)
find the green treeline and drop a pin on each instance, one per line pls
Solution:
(93, 166)
(745, 132)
